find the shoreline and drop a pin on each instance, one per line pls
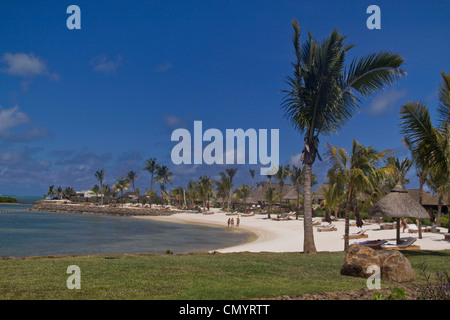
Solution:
(265, 235)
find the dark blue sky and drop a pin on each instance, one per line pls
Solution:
(110, 95)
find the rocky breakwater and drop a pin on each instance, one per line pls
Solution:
(89, 208)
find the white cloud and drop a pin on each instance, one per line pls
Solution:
(10, 118)
(385, 100)
(104, 65)
(26, 66)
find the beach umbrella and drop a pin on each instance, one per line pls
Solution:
(398, 204)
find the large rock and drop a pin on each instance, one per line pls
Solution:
(358, 259)
(394, 266)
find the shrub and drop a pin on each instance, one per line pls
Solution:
(396, 294)
(439, 289)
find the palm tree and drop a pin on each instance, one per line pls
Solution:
(95, 190)
(429, 145)
(205, 189)
(132, 176)
(321, 96)
(271, 197)
(361, 174)
(296, 175)
(152, 166)
(51, 190)
(192, 192)
(243, 192)
(281, 175)
(121, 185)
(230, 173)
(440, 185)
(59, 192)
(68, 192)
(400, 170)
(163, 175)
(100, 175)
(252, 174)
(223, 188)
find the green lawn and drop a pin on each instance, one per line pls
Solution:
(197, 277)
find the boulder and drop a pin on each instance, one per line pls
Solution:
(358, 259)
(394, 266)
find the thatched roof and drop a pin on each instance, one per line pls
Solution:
(398, 204)
(427, 198)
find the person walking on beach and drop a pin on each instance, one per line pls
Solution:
(229, 222)
(232, 222)
(237, 221)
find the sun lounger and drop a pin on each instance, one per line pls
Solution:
(281, 218)
(412, 228)
(248, 214)
(316, 222)
(405, 245)
(374, 244)
(358, 235)
(387, 226)
(447, 236)
(329, 227)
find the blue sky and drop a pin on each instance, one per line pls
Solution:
(110, 95)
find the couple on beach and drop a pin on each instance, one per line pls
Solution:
(231, 222)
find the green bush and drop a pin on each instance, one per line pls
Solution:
(396, 294)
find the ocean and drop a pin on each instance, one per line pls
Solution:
(26, 233)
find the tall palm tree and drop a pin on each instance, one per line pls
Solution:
(230, 173)
(151, 165)
(223, 188)
(252, 174)
(192, 192)
(271, 197)
(243, 192)
(132, 176)
(361, 173)
(59, 192)
(96, 190)
(399, 172)
(51, 190)
(121, 185)
(68, 192)
(163, 175)
(440, 186)
(322, 96)
(429, 145)
(100, 175)
(281, 175)
(296, 175)
(205, 189)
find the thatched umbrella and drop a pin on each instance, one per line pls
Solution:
(399, 204)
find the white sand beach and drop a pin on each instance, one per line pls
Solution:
(287, 236)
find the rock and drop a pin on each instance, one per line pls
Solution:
(394, 266)
(358, 259)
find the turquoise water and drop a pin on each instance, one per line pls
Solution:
(26, 233)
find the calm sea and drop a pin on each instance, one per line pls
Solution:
(26, 233)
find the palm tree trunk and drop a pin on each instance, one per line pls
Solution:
(101, 190)
(308, 242)
(347, 220)
(297, 209)
(421, 183)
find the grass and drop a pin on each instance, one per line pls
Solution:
(188, 277)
